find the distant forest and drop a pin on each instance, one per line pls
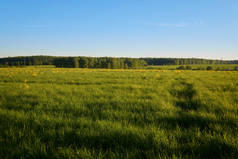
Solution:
(104, 62)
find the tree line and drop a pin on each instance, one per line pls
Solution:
(186, 61)
(98, 62)
(74, 62)
(104, 62)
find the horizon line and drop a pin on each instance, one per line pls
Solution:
(124, 57)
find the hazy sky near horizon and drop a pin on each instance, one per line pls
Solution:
(131, 28)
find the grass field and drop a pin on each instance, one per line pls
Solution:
(100, 113)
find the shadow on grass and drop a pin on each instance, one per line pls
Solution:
(130, 142)
(215, 149)
(98, 138)
(144, 144)
(109, 140)
(185, 97)
(206, 149)
(185, 120)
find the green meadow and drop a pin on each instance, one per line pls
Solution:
(118, 113)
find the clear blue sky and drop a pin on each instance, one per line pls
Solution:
(133, 28)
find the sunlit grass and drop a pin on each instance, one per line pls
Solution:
(121, 113)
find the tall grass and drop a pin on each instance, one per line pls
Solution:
(100, 113)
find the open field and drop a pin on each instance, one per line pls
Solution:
(103, 113)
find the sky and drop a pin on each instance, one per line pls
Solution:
(120, 28)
